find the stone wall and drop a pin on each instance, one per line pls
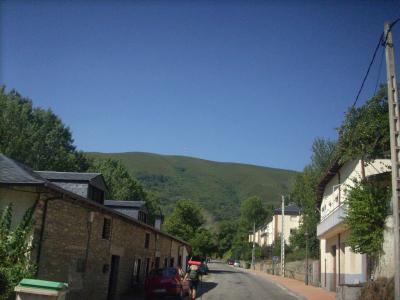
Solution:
(295, 270)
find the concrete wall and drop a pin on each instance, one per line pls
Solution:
(385, 266)
(340, 265)
(21, 198)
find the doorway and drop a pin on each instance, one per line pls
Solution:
(112, 284)
(334, 279)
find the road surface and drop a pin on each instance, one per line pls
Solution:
(225, 282)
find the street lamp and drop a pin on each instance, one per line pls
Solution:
(306, 236)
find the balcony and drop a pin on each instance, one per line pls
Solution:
(331, 221)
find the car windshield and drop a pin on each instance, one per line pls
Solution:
(167, 272)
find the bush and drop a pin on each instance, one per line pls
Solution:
(380, 289)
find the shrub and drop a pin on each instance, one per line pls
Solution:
(380, 289)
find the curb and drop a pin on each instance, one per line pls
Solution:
(281, 286)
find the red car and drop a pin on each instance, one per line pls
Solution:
(166, 282)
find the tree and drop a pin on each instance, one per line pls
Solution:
(227, 231)
(253, 212)
(304, 193)
(36, 137)
(372, 199)
(202, 243)
(364, 132)
(15, 247)
(185, 219)
(121, 185)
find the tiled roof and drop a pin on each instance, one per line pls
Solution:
(68, 176)
(124, 203)
(96, 179)
(291, 209)
(13, 172)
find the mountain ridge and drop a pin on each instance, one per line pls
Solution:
(219, 187)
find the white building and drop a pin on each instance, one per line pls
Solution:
(339, 264)
(268, 233)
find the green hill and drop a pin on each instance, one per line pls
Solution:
(217, 187)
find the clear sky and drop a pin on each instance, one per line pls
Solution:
(240, 81)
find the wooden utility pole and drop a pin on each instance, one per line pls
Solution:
(283, 238)
(394, 120)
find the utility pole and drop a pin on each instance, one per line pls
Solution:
(306, 236)
(394, 120)
(283, 238)
(254, 247)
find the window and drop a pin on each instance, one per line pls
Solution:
(95, 194)
(106, 229)
(142, 217)
(165, 262)
(147, 241)
(171, 262)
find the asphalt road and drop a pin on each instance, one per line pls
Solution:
(225, 282)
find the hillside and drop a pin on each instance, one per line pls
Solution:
(217, 187)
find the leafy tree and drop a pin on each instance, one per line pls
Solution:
(185, 219)
(36, 137)
(227, 230)
(304, 193)
(121, 185)
(253, 212)
(364, 132)
(203, 243)
(15, 263)
(367, 209)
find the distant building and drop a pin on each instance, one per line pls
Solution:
(339, 264)
(267, 234)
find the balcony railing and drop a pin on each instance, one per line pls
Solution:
(334, 218)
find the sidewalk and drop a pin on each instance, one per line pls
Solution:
(307, 291)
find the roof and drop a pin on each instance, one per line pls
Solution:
(95, 179)
(125, 203)
(13, 172)
(329, 174)
(73, 176)
(291, 209)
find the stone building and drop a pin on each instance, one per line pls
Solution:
(101, 253)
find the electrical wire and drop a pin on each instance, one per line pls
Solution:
(381, 42)
(369, 68)
(378, 76)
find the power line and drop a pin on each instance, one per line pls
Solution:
(369, 68)
(378, 76)
(382, 41)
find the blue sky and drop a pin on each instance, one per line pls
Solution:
(240, 81)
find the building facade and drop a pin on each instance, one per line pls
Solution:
(339, 264)
(268, 233)
(101, 253)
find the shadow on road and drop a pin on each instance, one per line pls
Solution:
(205, 287)
(221, 272)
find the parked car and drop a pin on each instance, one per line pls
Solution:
(236, 263)
(166, 282)
(230, 262)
